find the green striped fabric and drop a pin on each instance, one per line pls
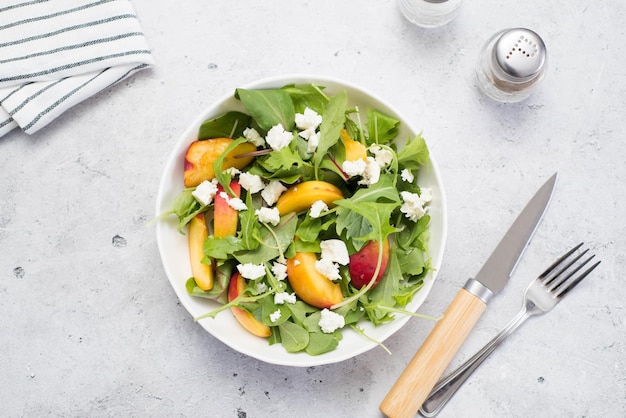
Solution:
(56, 53)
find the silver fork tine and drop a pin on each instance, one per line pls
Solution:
(564, 274)
(580, 278)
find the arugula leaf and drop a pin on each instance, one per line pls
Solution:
(273, 244)
(414, 153)
(221, 248)
(185, 207)
(320, 342)
(293, 336)
(359, 215)
(249, 232)
(219, 292)
(285, 158)
(269, 107)
(381, 128)
(229, 125)
(333, 118)
(308, 95)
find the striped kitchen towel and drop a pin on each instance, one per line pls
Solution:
(56, 53)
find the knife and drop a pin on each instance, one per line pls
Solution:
(426, 367)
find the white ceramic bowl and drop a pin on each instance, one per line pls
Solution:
(174, 250)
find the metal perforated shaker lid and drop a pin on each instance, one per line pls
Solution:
(520, 53)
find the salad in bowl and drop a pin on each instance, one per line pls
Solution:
(301, 220)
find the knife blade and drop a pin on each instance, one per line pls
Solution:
(426, 367)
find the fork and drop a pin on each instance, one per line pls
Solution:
(543, 294)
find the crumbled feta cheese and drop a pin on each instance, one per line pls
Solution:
(275, 316)
(272, 192)
(317, 208)
(309, 119)
(371, 175)
(327, 269)
(237, 204)
(314, 141)
(335, 250)
(253, 136)
(354, 168)
(413, 206)
(426, 194)
(407, 175)
(261, 287)
(282, 297)
(383, 156)
(330, 321)
(251, 271)
(296, 263)
(268, 215)
(280, 271)
(205, 192)
(251, 182)
(233, 171)
(307, 133)
(278, 138)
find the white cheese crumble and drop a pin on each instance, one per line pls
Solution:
(261, 287)
(314, 141)
(413, 206)
(275, 316)
(407, 175)
(383, 156)
(426, 194)
(280, 271)
(251, 271)
(272, 192)
(317, 208)
(296, 263)
(330, 321)
(251, 182)
(268, 215)
(233, 171)
(237, 204)
(371, 175)
(253, 136)
(234, 202)
(354, 168)
(335, 250)
(205, 192)
(282, 297)
(327, 268)
(278, 138)
(310, 119)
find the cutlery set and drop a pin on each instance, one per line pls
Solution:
(419, 387)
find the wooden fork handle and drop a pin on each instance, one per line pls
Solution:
(427, 366)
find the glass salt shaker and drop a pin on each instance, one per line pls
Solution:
(430, 13)
(511, 64)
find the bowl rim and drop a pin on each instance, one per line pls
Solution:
(217, 107)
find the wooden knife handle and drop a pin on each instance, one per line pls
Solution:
(427, 366)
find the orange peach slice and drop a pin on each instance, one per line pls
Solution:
(202, 273)
(309, 284)
(201, 155)
(225, 218)
(354, 149)
(363, 264)
(301, 196)
(236, 286)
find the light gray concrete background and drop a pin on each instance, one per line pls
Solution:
(90, 326)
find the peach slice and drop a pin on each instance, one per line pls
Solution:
(363, 264)
(201, 155)
(236, 286)
(301, 196)
(198, 232)
(354, 149)
(309, 284)
(225, 218)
